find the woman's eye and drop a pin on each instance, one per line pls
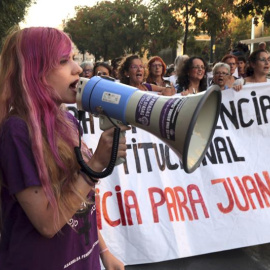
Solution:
(63, 61)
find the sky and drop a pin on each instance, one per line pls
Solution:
(52, 12)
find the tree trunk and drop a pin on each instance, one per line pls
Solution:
(186, 30)
(212, 43)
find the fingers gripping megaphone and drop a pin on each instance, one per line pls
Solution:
(185, 124)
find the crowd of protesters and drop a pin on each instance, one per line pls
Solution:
(47, 202)
(189, 74)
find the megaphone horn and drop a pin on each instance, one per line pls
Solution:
(185, 123)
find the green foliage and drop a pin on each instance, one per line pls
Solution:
(165, 30)
(240, 29)
(13, 12)
(198, 48)
(213, 16)
(187, 13)
(110, 29)
(197, 16)
(254, 8)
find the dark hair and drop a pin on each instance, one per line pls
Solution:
(242, 58)
(115, 65)
(183, 78)
(252, 59)
(240, 49)
(124, 67)
(169, 71)
(102, 64)
(115, 62)
(150, 78)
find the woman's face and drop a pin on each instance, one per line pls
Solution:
(136, 72)
(262, 64)
(241, 67)
(64, 79)
(197, 70)
(156, 68)
(221, 76)
(87, 72)
(232, 63)
(100, 70)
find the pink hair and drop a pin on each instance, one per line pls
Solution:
(38, 50)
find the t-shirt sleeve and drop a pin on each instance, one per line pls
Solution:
(17, 162)
(148, 86)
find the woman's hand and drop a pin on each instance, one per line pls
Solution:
(102, 156)
(185, 93)
(238, 87)
(110, 262)
(167, 91)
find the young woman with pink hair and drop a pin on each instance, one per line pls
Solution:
(48, 218)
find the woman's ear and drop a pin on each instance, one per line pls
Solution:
(126, 74)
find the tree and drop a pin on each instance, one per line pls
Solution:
(229, 38)
(164, 27)
(13, 12)
(110, 29)
(198, 16)
(185, 12)
(254, 8)
(214, 19)
(240, 29)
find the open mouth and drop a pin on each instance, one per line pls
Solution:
(220, 80)
(139, 75)
(73, 85)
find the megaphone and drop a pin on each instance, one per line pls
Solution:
(185, 123)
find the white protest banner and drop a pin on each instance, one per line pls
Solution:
(150, 210)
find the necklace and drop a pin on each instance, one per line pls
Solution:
(193, 90)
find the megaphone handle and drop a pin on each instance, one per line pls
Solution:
(88, 171)
(120, 160)
(106, 123)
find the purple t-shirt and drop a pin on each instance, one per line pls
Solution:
(21, 245)
(148, 86)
